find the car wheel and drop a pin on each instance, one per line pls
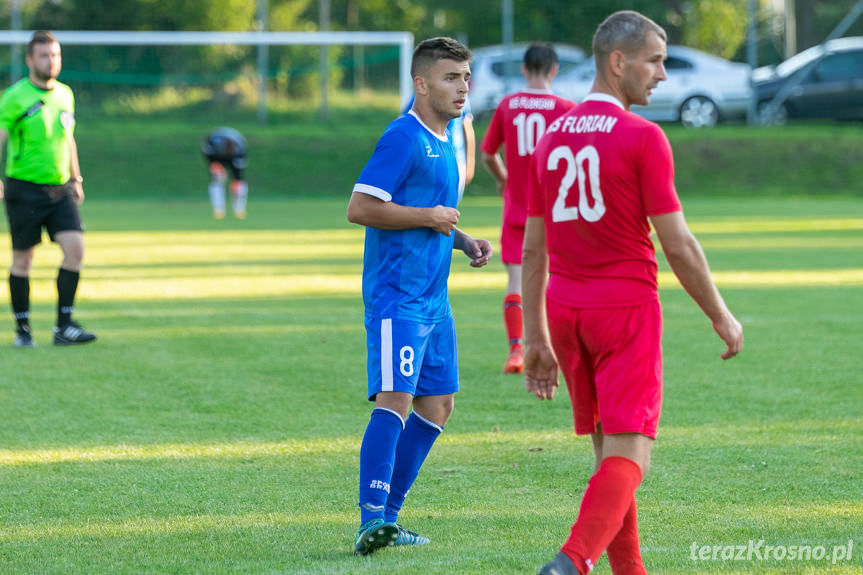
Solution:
(772, 117)
(699, 112)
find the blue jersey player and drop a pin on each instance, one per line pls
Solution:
(406, 197)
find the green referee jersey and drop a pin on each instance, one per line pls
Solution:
(40, 124)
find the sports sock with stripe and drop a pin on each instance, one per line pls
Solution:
(67, 286)
(377, 454)
(19, 293)
(512, 318)
(414, 445)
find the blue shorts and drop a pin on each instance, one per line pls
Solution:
(416, 358)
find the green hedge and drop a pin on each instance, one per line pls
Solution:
(305, 157)
(796, 160)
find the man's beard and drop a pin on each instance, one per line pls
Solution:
(44, 78)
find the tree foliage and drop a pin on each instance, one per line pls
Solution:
(717, 26)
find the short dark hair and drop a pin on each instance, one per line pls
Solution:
(40, 37)
(540, 58)
(626, 31)
(428, 52)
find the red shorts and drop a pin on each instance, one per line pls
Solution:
(511, 240)
(611, 359)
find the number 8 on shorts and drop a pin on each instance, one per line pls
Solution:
(411, 357)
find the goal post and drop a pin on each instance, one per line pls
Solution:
(404, 41)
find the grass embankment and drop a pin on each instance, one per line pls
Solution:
(299, 156)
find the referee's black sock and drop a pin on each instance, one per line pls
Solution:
(67, 285)
(19, 293)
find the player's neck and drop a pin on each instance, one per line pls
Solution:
(43, 84)
(538, 83)
(432, 121)
(600, 86)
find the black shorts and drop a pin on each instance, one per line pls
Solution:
(234, 163)
(30, 207)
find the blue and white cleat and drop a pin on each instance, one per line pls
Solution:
(409, 538)
(375, 534)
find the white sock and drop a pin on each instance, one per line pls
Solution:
(239, 193)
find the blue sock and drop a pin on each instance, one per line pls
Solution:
(414, 445)
(377, 454)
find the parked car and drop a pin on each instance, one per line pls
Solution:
(496, 72)
(701, 89)
(825, 81)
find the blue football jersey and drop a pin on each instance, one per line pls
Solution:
(455, 131)
(405, 271)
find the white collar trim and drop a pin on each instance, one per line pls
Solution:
(443, 138)
(602, 97)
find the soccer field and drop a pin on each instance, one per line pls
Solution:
(215, 426)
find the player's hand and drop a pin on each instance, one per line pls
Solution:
(540, 371)
(1, 189)
(731, 332)
(501, 187)
(78, 189)
(479, 252)
(443, 219)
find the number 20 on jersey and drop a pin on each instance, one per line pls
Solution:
(576, 173)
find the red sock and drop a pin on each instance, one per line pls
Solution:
(512, 318)
(605, 503)
(624, 551)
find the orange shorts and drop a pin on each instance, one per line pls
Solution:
(611, 359)
(511, 241)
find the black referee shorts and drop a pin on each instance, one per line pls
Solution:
(30, 207)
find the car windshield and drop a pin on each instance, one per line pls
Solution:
(798, 61)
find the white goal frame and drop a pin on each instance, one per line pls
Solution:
(404, 41)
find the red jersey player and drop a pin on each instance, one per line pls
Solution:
(591, 306)
(518, 123)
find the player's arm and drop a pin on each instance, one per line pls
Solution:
(479, 251)
(540, 365)
(75, 169)
(469, 148)
(4, 137)
(495, 166)
(367, 210)
(687, 261)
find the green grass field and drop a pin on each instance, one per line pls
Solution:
(215, 427)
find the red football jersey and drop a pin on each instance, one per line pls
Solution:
(595, 177)
(518, 123)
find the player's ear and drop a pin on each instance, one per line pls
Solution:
(420, 86)
(617, 63)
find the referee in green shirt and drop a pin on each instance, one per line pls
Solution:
(43, 185)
